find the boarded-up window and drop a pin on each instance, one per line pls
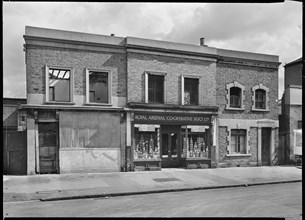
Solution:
(89, 130)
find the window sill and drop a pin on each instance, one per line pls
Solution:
(238, 155)
(59, 103)
(260, 110)
(97, 104)
(235, 109)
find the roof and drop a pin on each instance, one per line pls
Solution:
(13, 101)
(294, 62)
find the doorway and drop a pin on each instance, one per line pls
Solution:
(48, 148)
(266, 142)
(170, 146)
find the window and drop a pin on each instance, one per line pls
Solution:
(191, 91)
(98, 87)
(235, 96)
(155, 89)
(59, 84)
(299, 124)
(238, 141)
(260, 99)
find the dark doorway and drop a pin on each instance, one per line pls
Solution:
(266, 141)
(170, 146)
(14, 152)
(48, 148)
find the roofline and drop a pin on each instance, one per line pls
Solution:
(294, 62)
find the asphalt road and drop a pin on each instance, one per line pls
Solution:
(276, 200)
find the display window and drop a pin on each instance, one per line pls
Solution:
(146, 141)
(195, 142)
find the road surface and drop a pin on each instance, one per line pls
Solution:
(275, 200)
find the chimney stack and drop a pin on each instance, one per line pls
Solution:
(202, 41)
(112, 35)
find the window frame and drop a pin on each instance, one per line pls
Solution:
(146, 82)
(47, 86)
(228, 96)
(183, 77)
(229, 141)
(266, 89)
(237, 136)
(109, 73)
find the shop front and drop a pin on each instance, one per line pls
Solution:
(171, 140)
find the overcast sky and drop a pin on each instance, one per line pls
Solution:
(273, 28)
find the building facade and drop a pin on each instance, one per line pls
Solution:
(99, 103)
(291, 118)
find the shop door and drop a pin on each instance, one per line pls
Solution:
(48, 148)
(170, 148)
(266, 141)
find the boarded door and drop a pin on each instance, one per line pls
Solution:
(14, 154)
(266, 142)
(48, 148)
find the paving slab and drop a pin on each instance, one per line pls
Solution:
(75, 186)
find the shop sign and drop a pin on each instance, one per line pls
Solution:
(171, 118)
(197, 128)
(147, 128)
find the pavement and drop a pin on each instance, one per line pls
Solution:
(53, 187)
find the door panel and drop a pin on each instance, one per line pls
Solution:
(170, 147)
(266, 141)
(48, 147)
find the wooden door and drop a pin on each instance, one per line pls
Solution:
(266, 142)
(15, 153)
(48, 148)
(170, 147)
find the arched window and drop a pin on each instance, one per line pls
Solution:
(260, 99)
(235, 97)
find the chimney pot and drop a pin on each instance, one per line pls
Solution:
(112, 35)
(202, 41)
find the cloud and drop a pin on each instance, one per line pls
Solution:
(261, 28)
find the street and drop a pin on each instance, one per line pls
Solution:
(273, 200)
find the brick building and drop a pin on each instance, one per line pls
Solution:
(291, 117)
(99, 103)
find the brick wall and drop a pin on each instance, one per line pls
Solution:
(174, 67)
(38, 57)
(248, 77)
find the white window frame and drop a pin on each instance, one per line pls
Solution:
(242, 98)
(146, 74)
(47, 100)
(254, 88)
(182, 87)
(230, 153)
(109, 103)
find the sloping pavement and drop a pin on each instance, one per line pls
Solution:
(75, 186)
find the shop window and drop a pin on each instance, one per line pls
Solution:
(98, 87)
(235, 96)
(59, 84)
(191, 91)
(146, 142)
(238, 141)
(260, 98)
(195, 142)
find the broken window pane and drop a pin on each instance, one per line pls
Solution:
(98, 87)
(59, 85)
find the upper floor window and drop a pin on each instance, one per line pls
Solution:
(98, 86)
(260, 98)
(235, 96)
(238, 141)
(59, 84)
(154, 87)
(191, 91)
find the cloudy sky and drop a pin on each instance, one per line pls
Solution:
(273, 28)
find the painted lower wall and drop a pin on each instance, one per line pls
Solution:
(82, 160)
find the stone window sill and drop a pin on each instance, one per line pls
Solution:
(235, 109)
(97, 104)
(238, 155)
(59, 103)
(260, 110)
